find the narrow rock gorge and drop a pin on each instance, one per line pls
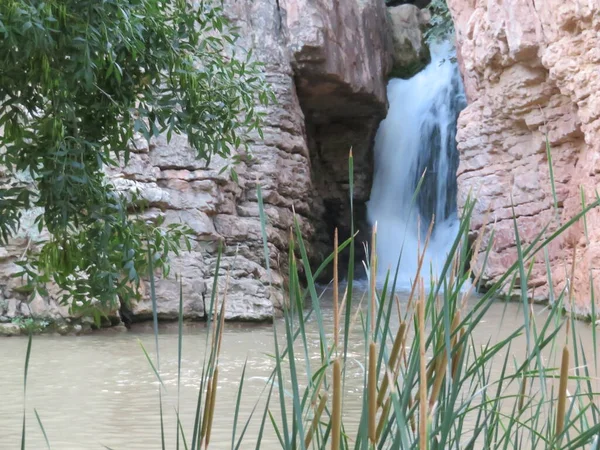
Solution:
(531, 74)
(531, 70)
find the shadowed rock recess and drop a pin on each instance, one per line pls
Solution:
(327, 62)
(532, 68)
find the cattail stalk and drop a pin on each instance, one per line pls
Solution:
(440, 373)
(420, 258)
(336, 410)
(455, 337)
(292, 267)
(423, 376)
(397, 346)
(317, 391)
(397, 300)
(458, 355)
(383, 418)
(211, 406)
(522, 393)
(213, 319)
(222, 318)
(455, 324)
(454, 269)
(315, 421)
(336, 311)
(373, 277)
(206, 409)
(562, 391)
(372, 392)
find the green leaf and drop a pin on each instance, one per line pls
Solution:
(27, 356)
(37, 416)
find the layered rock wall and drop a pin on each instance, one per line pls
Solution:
(327, 63)
(532, 69)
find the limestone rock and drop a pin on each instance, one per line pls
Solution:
(532, 69)
(410, 52)
(339, 48)
(9, 329)
(12, 308)
(45, 308)
(327, 63)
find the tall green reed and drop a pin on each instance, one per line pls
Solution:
(426, 383)
(435, 387)
(25, 371)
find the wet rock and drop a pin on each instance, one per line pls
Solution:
(411, 54)
(63, 329)
(167, 297)
(12, 308)
(9, 329)
(45, 308)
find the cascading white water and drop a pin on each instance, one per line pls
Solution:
(418, 136)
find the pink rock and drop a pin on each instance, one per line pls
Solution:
(532, 68)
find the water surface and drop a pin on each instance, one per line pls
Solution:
(99, 389)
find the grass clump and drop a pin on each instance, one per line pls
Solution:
(426, 383)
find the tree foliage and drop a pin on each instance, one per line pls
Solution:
(441, 25)
(78, 79)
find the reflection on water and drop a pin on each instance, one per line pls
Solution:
(98, 390)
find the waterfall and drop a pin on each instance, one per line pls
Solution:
(418, 135)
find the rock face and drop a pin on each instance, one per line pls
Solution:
(410, 52)
(327, 62)
(531, 69)
(340, 53)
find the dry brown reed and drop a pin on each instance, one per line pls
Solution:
(336, 311)
(211, 405)
(562, 391)
(394, 356)
(422, 371)
(315, 422)
(372, 392)
(373, 267)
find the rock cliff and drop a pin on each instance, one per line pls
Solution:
(327, 62)
(532, 69)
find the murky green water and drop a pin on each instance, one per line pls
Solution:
(99, 389)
